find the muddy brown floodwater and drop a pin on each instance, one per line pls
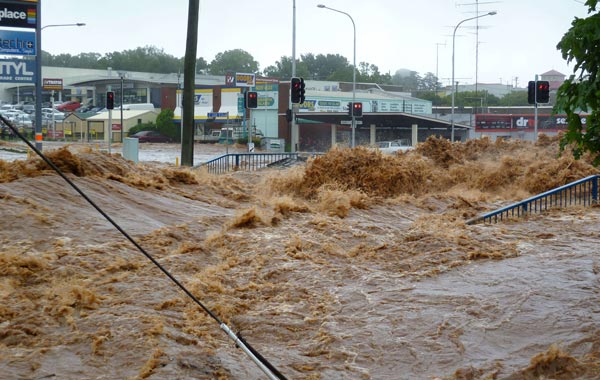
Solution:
(353, 265)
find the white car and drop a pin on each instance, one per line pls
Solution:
(51, 113)
(391, 147)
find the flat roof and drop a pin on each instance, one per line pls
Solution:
(382, 119)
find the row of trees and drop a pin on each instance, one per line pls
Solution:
(330, 67)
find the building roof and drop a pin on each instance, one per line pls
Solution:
(127, 114)
(553, 73)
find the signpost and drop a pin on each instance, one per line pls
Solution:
(246, 80)
(217, 114)
(17, 71)
(16, 42)
(23, 14)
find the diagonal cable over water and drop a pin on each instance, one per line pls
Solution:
(256, 357)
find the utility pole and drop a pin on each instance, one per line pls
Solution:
(477, 27)
(437, 77)
(294, 133)
(189, 83)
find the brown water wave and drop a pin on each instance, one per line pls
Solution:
(355, 266)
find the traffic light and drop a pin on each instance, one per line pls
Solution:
(357, 109)
(295, 90)
(110, 100)
(297, 86)
(350, 108)
(251, 99)
(531, 92)
(302, 91)
(543, 91)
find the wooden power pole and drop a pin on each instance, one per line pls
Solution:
(189, 82)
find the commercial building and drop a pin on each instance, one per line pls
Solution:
(322, 119)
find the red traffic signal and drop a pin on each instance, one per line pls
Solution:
(251, 99)
(297, 91)
(110, 100)
(538, 92)
(357, 109)
(531, 92)
(543, 91)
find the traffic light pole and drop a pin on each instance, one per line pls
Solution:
(535, 120)
(294, 135)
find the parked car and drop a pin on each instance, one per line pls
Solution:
(22, 120)
(8, 107)
(391, 147)
(28, 108)
(151, 136)
(50, 113)
(69, 106)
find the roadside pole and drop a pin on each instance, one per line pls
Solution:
(109, 131)
(109, 128)
(535, 120)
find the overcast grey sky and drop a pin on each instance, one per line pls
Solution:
(519, 42)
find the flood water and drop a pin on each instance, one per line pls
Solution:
(353, 265)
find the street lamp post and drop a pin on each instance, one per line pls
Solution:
(353, 72)
(38, 76)
(55, 25)
(453, 84)
(123, 74)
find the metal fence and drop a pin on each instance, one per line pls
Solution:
(246, 161)
(583, 192)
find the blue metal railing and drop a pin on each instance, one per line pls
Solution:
(245, 161)
(583, 192)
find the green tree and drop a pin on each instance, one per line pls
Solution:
(236, 60)
(146, 59)
(165, 125)
(429, 82)
(201, 65)
(283, 69)
(581, 92)
(432, 96)
(514, 98)
(370, 73)
(323, 67)
(408, 79)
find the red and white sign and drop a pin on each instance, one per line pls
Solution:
(514, 123)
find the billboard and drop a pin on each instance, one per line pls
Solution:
(18, 15)
(244, 79)
(55, 84)
(514, 123)
(17, 71)
(17, 42)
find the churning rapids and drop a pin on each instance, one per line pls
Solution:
(353, 265)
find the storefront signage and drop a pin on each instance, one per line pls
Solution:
(54, 84)
(18, 15)
(17, 71)
(17, 42)
(244, 80)
(500, 122)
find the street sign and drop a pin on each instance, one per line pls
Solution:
(244, 79)
(17, 15)
(17, 42)
(349, 122)
(55, 84)
(17, 70)
(217, 114)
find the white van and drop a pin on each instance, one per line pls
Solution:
(137, 106)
